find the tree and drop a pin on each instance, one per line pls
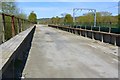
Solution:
(102, 18)
(53, 20)
(33, 17)
(9, 8)
(68, 19)
(57, 20)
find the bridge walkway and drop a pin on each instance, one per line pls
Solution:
(59, 54)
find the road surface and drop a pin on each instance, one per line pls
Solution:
(59, 54)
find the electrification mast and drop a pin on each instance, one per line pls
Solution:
(80, 9)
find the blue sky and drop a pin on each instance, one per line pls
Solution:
(50, 9)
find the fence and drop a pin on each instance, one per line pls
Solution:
(111, 27)
(11, 25)
(106, 37)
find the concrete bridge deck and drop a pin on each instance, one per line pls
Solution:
(59, 54)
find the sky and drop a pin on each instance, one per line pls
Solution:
(50, 9)
(60, 0)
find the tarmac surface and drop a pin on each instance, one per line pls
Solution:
(59, 54)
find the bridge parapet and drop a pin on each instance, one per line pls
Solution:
(106, 37)
(11, 25)
(14, 48)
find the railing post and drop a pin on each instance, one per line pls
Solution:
(110, 28)
(21, 25)
(93, 35)
(13, 26)
(3, 29)
(85, 31)
(99, 26)
(115, 40)
(101, 37)
(80, 30)
(18, 25)
(25, 24)
(23, 28)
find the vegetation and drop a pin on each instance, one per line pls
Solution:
(11, 9)
(68, 19)
(55, 20)
(119, 20)
(104, 19)
(32, 17)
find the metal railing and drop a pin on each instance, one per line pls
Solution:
(11, 25)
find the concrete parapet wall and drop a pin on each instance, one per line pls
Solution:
(106, 37)
(15, 50)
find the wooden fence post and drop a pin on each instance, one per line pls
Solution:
(3, 29)
(21, 25)
(13, 26)
(18, 25)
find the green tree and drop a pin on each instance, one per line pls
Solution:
(33, 17)
(68, 19)
(57, 20)
(102, 18)
(10, 8)
(53, 20)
